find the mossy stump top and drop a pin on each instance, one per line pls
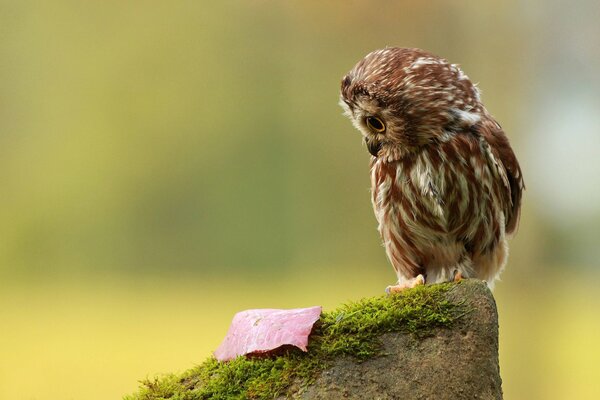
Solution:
(431, 342)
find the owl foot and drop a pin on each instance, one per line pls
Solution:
(458, 276)
(408, 284)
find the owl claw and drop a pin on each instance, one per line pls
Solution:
(409, 284)
(458, 276)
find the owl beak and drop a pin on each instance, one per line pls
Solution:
(373, 146)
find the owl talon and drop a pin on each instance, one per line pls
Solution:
(458, 276)
(409, 284)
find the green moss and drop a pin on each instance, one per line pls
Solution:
(353, 330)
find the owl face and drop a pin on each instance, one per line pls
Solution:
(401, 99)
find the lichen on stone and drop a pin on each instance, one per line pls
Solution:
(352, 330)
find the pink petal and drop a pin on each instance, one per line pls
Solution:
(262, 330)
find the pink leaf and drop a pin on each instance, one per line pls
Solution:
(263, 330)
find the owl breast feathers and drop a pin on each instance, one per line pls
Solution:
(446, 185)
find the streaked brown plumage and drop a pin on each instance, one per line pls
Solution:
(446, 185)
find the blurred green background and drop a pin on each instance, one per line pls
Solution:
(166, 164)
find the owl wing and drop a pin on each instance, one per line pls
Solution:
(502, 156)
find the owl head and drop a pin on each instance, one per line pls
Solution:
(401, 99)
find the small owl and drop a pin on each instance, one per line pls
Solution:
(446, 185)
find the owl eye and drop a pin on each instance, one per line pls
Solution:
(375, 124)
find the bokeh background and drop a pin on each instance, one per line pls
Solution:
(166, 164)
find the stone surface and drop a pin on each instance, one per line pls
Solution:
(456, 363)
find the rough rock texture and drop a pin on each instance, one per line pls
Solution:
(457, 363)
(431, 342)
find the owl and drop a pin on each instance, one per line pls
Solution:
(445, 184)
